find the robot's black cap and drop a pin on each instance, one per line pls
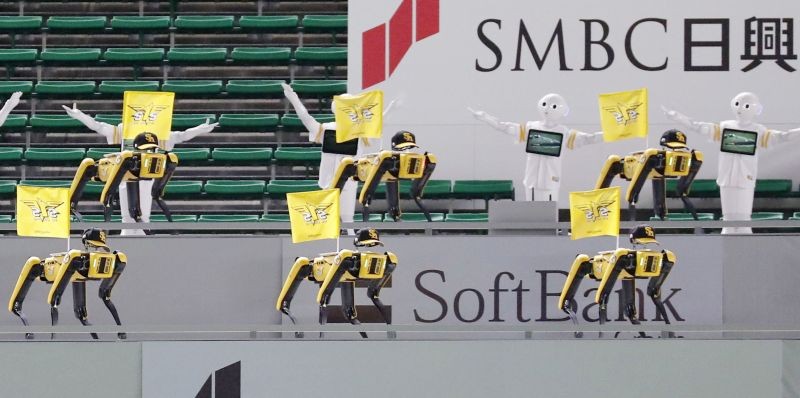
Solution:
(95, 237)
(367, 237)
(643, 234)
(145, 141)
(673, 139)
(403, 140)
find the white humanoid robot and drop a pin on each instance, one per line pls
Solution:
(113, 135)
(9, 106)
(329, 161)
(543, 171)
(740, 140)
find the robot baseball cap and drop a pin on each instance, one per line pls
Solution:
(403, 140)
(643, 234)
(145, 141)
(368, 237)
(673, 139)
(95, 237)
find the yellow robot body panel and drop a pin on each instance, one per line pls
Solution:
(677, 164)
(670, 256)
(109, 165)
(372, 265)
(26, 269)
(152, 165)
(631, 164)
(60, 269)
(101, 265)
(52, 266)
(609, 259)
(324, 265)
(412, 165)
(365, 167)
(648, 263)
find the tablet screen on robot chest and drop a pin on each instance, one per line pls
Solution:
(739, 141)
(329, 144)
(545, 143)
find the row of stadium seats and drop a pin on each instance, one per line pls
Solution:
(373, 217)
(184, 88)
(227, 121)
(765, 188)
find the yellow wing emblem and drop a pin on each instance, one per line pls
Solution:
(598, 210)
(44, 211)
(360, 114)
(146, 114)
(624, 113)
(314, 214)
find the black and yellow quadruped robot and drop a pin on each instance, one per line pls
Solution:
(95, 262)
(626, 264)
(343, 269)
(674, 161)
(143, 163)
(390, 167)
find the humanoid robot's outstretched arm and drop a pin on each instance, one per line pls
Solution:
(577, 139)
(710, 130)
(612, 168)
(9, 106)
(32, 270)
(108, 284)
(87, 170)
(513, 129)
(176, 137)
(160, 185)
(772, 138)
(301, 269)
(375, 286)
(312, 125)
(112, 133)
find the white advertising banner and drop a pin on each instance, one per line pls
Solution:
(439, 57)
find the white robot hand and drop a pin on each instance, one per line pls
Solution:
(288, 91)
(480, 115)
(676, 116)
(78, 115)
(13, 101)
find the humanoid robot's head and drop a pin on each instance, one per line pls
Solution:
(342, 96)
(746, 107)
(367, 237)
(94, 238)
(643, 234)
(553, 107)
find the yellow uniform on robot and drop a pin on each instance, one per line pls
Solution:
(95, 262)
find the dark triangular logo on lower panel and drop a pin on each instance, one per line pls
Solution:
(227, 383)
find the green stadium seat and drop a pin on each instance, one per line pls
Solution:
(373, 217)
(417, 217)
(70, 55)
(234, 188)
(319, 87)
(118, 87)
(10, 86)
(47, 183)
(466, 217)
(773, 188)
(259, 156)
(98, 153)
(290, 121)
(269, 23)
(685, 217)
(766, 215)
(700, 188)
(64, 87)
(483, 189)
(321, 55)
(20, 23)
(61, 121)
(275, 217)
(197, 55)
(15, 122)
(55, 155)
(795, 216)
(76, 23)
(10, 154)
(298, 155)
(134, 55)
(183, 188)
(204, 22)
(175, 218)
(336, 23)
(277, 189)
(18, 55)
(261, 55)
(8, 188)
(93, 189)
(228, 218)
(193, 87)
(182, 121)
(261, 88)
(110, 119)
(101, 218)
(249, 121)
(6, 219)
(192, 155)
(137, 23)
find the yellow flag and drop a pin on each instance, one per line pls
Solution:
(594, 213)
(623, 115)
(42, 212)
(147, 111)
(314, 215)
(359, 116)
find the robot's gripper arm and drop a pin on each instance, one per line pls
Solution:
(581, 267)
(342, 263)
(108, 284)
(654, 286)
(610, 275)
(611, 169)
(639, 177)
(510, 128)
(375, 286)
(346, 169)
(312, 125)
(301, 269)
(86, 171)
(385, 161)
(32, 269)
(115, 177)
(65, 272)
(710, 130)
(160, 185)
(685, 182)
